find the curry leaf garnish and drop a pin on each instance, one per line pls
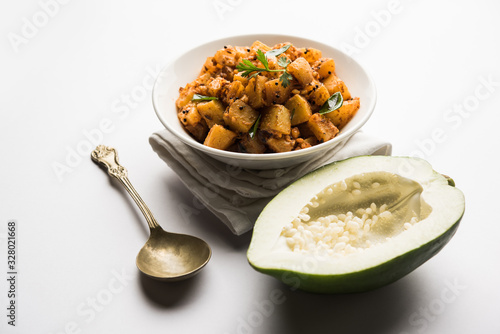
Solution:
(247, 67)
(254, 128)
(333, 103)
(198, 97)
(277, 52)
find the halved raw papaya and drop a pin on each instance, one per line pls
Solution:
(356, 225)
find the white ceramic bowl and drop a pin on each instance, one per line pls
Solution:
(187, 67)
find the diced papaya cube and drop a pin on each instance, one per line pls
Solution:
(212, 112)
(305, 131)
(275, 92)
(317, 94)
(189, 115)
(258, 45)
(282, 144)
(302, 143)
(291, 53)
(334, 84)
(199, 131)
(322, 127)
(311, 140)
(251, 145)
(310, 54)
(220, 137)
(242, 52)
(344, 114)
(185, 96)
(216, 85)
(202, 80)
(209, 66)
(255, 91)
(299, 108)
(192, 121)
(325, 67)
(240, 116)
(276, 120)
(239, 77)
(301, 70)
(235, 90)
(272, 63)
(226, 56)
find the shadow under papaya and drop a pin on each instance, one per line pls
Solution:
(384, 310)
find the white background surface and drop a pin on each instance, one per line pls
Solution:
(88, 63)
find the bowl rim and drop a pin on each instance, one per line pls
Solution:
(343, 135)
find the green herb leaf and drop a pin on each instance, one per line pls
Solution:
(277, 52)
(198, 97)
(253, 130)
(283, 62)
(247, 68)
(285, 79)
(248, 62)
(262, 58)
(333, 103)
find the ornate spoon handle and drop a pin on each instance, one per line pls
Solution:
(108, 158)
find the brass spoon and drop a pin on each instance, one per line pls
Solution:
(165, 256)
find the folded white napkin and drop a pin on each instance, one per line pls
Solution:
(237, 196)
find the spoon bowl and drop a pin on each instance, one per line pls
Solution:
(165, 256)
(168, 256)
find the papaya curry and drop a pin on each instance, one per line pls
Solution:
(262, 99)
